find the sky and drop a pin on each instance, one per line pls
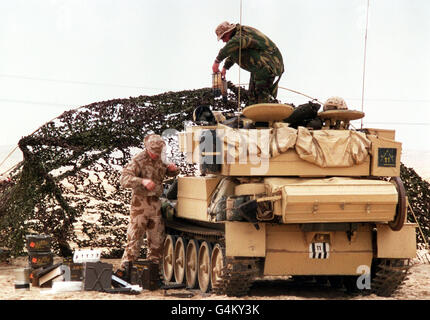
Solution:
(58, 55)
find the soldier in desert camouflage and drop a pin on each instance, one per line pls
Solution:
(144, 175)
(258, 55)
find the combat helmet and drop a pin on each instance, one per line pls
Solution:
(335, 103)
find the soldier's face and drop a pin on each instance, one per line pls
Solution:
(152, 155)
(226, 37)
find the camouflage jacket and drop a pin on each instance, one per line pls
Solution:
(141, 167)
(257, 52)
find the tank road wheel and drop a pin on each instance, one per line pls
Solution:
(179, 262)
(388, 275)
(204, 264)
(217, 266)
(168, 256)
(191, 258)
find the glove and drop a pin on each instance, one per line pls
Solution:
(148, 184)
(172, 167)
(215, 67)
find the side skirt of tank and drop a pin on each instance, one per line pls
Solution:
(291, 251)
(195, 256)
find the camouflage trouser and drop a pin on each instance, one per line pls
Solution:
(146, 218)
(261, 87)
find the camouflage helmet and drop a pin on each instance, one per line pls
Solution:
(223, 28)
(335, 103)
(154, 143)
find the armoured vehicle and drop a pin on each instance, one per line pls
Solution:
(288, 191)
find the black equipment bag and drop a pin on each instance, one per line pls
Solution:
(303, 114)
(211, 152)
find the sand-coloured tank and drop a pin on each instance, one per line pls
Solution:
(287, 191)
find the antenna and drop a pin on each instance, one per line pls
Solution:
(364, 62)
(240, 54)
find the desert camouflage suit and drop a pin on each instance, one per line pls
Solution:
(145, 210)
(259, 56)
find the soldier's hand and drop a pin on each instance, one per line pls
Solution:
(223, 72)
(172, 167)
(215, 67)
(148, 184)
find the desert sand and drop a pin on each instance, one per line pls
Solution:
(416, 287)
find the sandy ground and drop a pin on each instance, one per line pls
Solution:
(416, 287)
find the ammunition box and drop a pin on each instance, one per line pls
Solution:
(145, 274)
(40, 259)
(38, 243)
(76, 271)
(34, 277)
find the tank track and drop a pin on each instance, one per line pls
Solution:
(389, 275)
(193, 231)
(237, 276)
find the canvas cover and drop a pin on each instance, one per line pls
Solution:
(244, 144)
(283, 138)
(325, 148)
(332, 148)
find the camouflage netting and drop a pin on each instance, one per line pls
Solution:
(418, 192)
(72, 166)
(68, 183)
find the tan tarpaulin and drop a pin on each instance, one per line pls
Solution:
(262, 143)
(325, 148)
(245, 144)
(283, 138)
(332, 148)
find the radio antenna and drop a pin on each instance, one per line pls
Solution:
(240, 54)
(364, 62)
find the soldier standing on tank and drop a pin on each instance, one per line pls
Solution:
(144, 175)
(258, 55)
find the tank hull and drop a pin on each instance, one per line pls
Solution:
(290, 250)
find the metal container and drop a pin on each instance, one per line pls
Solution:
(22, 279)
(40, 259)
(146, 274)
(97, 276)
(38, 243)
(76, 271)
(219, 85)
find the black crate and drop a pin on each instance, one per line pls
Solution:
(97, 276)
(40, 259)
(38, 243)
(146, 274)
(76, 270)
